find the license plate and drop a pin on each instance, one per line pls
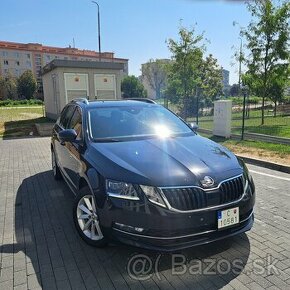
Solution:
(228, 217)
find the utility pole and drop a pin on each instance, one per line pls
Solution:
(99, 29)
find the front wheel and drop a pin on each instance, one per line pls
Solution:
(86, 219)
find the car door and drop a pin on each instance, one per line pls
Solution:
(60, 148)
(75, 148)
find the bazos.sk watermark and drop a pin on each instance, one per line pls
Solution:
(143, 267)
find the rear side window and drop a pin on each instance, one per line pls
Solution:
(66, 116)
(76, 122)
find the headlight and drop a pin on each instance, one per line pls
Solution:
(246, 173)
(121, 190)
(153, 195)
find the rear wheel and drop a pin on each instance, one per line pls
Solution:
(55, 168)
(87, 220)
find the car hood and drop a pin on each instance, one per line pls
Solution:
(179, 161)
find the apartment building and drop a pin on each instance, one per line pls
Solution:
(15, 58)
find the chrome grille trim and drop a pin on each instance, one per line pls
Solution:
(196, 186)
(172, 208)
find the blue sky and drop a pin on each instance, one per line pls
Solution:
(133, 29)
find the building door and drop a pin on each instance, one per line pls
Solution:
(76, 86)
(105, 86)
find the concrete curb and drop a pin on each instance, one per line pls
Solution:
(266, 164)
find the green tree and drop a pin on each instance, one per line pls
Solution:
(210, 78)
(267, 38)
(8, 87)
(27, 85)
(187, 53)
(193, 80)
(131, 87)
(155, 73)
(278, 86)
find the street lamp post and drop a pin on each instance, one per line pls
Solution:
(240, 64)
(99, 28)
(245, 91)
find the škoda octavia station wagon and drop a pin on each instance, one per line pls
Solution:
(143, 176)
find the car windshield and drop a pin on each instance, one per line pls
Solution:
(129, 122)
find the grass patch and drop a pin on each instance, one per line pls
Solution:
(11, 114)
(258, 149)
(274, 126)
(18, 122)
(281, 149)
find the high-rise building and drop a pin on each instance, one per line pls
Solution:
(226, 78)
(16, 58)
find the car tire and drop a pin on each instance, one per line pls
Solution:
(86, 219)
(55, 169)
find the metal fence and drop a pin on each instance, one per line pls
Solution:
(276, 122)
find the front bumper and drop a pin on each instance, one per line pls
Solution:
(143, 224)
(170, 244)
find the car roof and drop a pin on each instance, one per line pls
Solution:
(89, 104)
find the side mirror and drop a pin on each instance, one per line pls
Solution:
(67, 135)
(193, 126)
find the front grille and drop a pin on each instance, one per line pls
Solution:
(191, 198)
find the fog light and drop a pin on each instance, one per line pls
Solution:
(128, 228)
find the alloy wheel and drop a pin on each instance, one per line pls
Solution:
(88, 219)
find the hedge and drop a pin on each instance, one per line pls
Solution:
(10, 103)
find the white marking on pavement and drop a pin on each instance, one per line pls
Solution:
(272, 187)
(270, 175)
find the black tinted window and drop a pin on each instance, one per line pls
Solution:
(65, 116)
(76, 122)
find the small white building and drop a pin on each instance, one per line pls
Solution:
(65, 80)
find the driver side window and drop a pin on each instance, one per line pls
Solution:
(66, 116)
(76, 123)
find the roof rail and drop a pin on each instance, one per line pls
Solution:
(82, 99)
(145, 100)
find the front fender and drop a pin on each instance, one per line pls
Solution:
(97, 186)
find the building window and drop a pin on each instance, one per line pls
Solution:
(17, 54)
(17, 63)
(6, 71)
(6, 62)
(28, 55)
(4, 53)
(28, 63)
(66, 58)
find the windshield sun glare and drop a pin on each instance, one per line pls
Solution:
(120, 123)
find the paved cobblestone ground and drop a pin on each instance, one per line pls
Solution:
(41, 249)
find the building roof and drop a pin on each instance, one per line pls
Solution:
(82, 64)
(39, 48)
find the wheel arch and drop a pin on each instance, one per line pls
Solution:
(92, 180)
